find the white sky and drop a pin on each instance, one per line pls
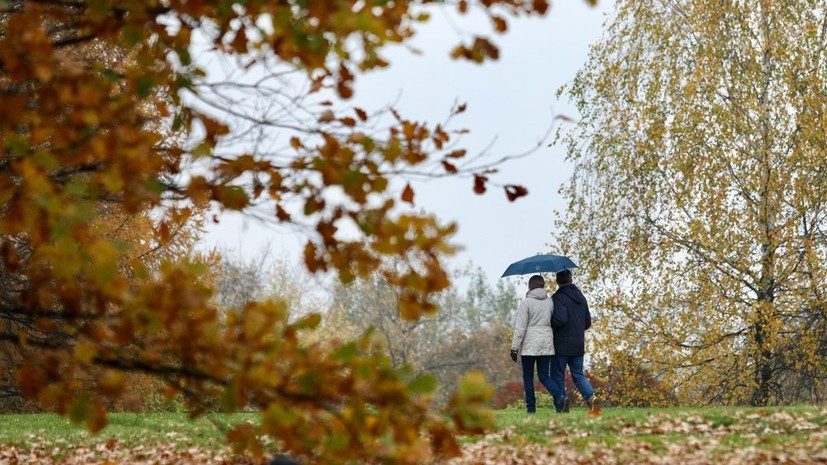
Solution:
(510, 102)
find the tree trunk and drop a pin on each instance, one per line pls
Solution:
(767, 217)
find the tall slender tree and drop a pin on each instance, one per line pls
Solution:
(698, 204)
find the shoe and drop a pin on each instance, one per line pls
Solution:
(566, 405)
(594, 405)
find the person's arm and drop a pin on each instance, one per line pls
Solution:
(559, 313)
(588, 316)
(520, 325)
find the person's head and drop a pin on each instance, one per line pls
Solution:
(536, 282)
(564, 277)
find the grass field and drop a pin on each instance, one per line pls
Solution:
(789, 435)
(130, 429)
(129, 438)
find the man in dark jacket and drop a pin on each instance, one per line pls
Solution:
(569, 338)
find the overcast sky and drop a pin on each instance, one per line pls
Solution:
(511, 102)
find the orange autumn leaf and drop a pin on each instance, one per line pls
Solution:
(408, 194)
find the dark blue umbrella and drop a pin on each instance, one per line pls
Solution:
(540, 264)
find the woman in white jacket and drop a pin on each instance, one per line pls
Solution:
(533, 340)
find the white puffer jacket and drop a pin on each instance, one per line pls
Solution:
(532, 329)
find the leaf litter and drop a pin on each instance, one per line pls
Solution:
(112, 452)
(760, 437)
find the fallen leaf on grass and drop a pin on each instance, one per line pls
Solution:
(595, 411)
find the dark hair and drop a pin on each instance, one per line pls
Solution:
(536, 282)
(564, 277)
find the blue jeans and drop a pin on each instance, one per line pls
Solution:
(544, 373)
(575, 364)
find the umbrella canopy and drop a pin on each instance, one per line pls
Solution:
(539, 264)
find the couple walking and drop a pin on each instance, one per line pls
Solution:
(550, 334)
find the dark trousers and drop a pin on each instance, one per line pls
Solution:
(575, 365)
(544, 374)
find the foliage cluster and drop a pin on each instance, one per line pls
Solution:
(622, 383)
(110, 126)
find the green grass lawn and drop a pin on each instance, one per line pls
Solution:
(129, 429)
(619, 435)
(162, 438)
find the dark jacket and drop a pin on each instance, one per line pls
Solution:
(570, 320)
